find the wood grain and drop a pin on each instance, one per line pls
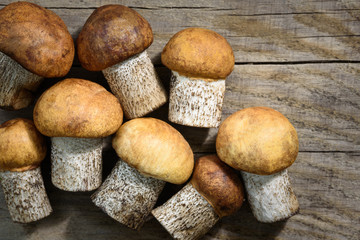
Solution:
(258, 31)
(299, 57)
(325, 185)
(322, 101)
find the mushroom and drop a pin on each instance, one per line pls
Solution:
(214, 191)
(262, 143)
(151, 153)
(200, 60)
(114, 40)
(22, 148)
(77, 114)
(34, 44)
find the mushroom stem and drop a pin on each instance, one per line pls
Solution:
(137, 86)
(187, 215)
(25, 195)
(127, 196)
(195, 102)
(271, 197)
(76, 163)
(16, 84)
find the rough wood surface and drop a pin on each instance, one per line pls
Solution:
(322, 101)
(299, 57)
(325, 184)
(258, 31)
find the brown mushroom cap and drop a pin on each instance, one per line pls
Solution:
(258, 140)
(199, 53)
(22, 147)
(218, 184)
(155, 149)
(36, 38)
(77, 108)
(112, 34)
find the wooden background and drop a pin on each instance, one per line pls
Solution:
(299, 57)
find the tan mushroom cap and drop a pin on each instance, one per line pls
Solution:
(112, 34)
(257, 140)
(77, 108)
(22, 147)
(218, 184)
(155, 149)
(36, 38)
(199, 53)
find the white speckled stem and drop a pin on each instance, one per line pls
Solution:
(195, 102)
(25, 195)
(187, 215)
(76, 163)
(127, 196)
(16, 84)
(136, 84)
(271, 197)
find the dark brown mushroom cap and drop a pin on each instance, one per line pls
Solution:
(258, 140)
(77, 108)
(112, 34)
(199, 53)
(36, 38)
(218, 184)
(22, 147)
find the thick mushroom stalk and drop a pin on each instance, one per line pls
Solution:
(200, 60)
(270, 196)
(77, 114)
(25, 195)
(262, 144)
(187, 215)
(76, 163)
(16, 84)
(213, 192)
(128, 196)
(121, 55)
(136, 84)
(151, 152)
(34, 44)
(195, 102)
(22, 148)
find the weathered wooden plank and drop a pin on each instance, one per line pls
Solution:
(261, 31)
(245, 7)
(299, 37)
(325, 184)
(321, 100)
